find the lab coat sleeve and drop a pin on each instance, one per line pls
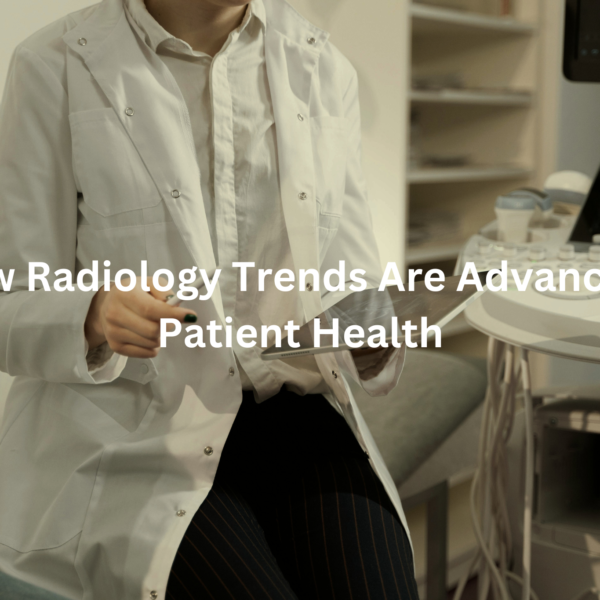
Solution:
(41, 332)
(355, 244)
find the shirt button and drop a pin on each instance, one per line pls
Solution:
(144, 369)
(309, 287)
(82, 41)
(311, 41)
(231, 371)
(208, 451)
(181, 513)
(303, 195)
(129, 111)
(300, 117)
(175, 193)
(154, 594)
(335, 375)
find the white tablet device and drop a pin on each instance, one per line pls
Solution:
(389, 309)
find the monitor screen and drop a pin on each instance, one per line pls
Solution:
(581, 60)
(588, 222)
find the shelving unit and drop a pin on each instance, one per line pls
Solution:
(471, 97)
(433, 19)
(470, 173)
(477, 102)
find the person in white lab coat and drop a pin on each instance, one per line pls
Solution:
(186, 133)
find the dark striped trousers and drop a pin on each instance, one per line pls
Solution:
(296, 511)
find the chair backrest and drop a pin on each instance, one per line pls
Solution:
(436, 393)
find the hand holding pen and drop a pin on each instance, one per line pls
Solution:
(130, 321)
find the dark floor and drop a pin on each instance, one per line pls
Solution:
(470, 592)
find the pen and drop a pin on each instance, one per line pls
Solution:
(173, 300)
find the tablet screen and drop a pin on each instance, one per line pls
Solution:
(376, 311)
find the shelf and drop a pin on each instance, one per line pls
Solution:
(457, 326)
(466, 174)
(471, 97)
(432, 19)
(433, 253)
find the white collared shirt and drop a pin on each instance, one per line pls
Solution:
(232, 123)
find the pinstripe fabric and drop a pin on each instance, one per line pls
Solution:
(286, 519)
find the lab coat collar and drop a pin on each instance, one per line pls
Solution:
(282, 17)
(161, 133)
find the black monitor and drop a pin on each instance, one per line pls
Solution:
(581, 58)
(588, 222)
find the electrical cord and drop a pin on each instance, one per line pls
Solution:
(529, 468)
(489, 508)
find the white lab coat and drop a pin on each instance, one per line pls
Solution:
(94, 468)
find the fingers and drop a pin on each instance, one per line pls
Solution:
(156, 293)
(131, 320)
(152, 309)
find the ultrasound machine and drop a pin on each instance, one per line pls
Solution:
(536, 495)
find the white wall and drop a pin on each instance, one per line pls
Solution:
(579, 127)
(19, 19)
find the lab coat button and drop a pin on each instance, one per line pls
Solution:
(181, 513)
(311, 41)
(208, 451)
(144, 369)
(175, 193)
(129, 111)
(300, 117)
(231, 371)
(82, 41)
(309, 287)
(154, 595)
(303, 195)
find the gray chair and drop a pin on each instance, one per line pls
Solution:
(15, 589)
(436, 395)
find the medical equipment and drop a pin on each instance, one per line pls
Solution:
(513, 213)
(581, 57)
(538, 523)
(545, 233)
(562, 324)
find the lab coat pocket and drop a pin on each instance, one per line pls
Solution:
(51, 480)
(108, 169)
(328, 226)
(330, 138)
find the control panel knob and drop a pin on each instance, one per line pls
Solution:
(566, 252)
(594, 254)
(484, 247)
(509, 250)
(537, 253)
